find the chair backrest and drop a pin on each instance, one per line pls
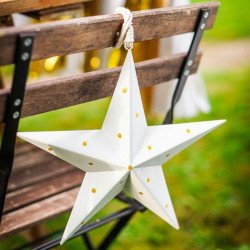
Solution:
(97, 32)
(83, 34)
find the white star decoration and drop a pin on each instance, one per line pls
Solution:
(124, 155)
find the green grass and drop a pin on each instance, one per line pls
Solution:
(209, 181)
(232, 22)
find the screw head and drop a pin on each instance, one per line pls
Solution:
(190, 62)
(203, 26)
(17, 102)
(186, 73)
(16, 115)
(25, 56)
(27, 42)
(206, 15)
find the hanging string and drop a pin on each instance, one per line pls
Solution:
(127, 32)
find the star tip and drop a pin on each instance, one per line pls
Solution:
(62, 240)
(23, 135)
(177, 227)
(175, 224)
(19, 134)
(130, 54)
(218, 123)
(215, 123)
(222, 121)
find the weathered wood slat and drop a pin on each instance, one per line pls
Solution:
(25, 159)
(8, 7)
(67, 91)
(89, 33)
(43, 189)
(32, 165)
(33, 214)
(22, 148)
(37, 170)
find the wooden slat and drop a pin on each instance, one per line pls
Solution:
(39, 167)
(22, 148)
(67, 91)
(25, 159)
(28, 216)
(43, 189)
(8, 7)
(89, 33)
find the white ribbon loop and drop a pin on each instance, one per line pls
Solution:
(127, 31)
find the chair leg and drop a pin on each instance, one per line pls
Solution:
(115, 231)
(87, 241)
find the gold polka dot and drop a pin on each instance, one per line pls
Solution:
(149, 147)
(166, 206)
(148, 179)
(84, 144)
(97, 220)
(167, 155)
(119, 135)
(91, 163)
(50, 148)
(130, 167)
(93, 190)
(136, 114)
(188, 131)
(141, 193)
(124, 90)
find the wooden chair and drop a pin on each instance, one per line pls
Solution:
(41, 186)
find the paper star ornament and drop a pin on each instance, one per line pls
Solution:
(124, 155)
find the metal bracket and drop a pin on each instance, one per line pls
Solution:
(188, 62)
(23, 52)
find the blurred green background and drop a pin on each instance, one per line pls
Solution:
(210, 181)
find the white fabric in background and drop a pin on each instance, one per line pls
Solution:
(20, 20)
(194, 98)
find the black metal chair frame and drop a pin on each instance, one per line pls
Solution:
(23, 54)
